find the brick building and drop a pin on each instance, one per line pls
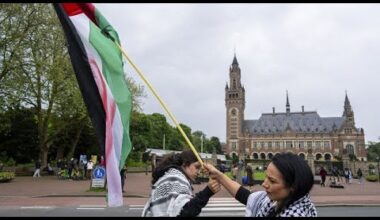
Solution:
(296, 132)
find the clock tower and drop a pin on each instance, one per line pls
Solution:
(235, 105)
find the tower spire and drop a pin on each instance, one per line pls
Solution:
(347, 106)
(346, 101)
(235, 62)
(287, 103)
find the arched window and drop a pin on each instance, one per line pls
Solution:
(350, 149)
(270, 156)
(302, 155)
(233, 112)
(327, 157)
(255, 156)
(262, 156)
(318, 156)
(234, 155)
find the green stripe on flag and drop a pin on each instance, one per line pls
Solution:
(112, 69)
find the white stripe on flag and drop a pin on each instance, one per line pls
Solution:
(81, 22)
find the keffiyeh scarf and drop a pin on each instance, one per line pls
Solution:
(169, 194)
(259, 205)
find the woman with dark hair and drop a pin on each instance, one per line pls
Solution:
(287, 185)
(172, 193)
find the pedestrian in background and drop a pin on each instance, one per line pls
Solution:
(123, 175)
(350, 176)
(37, 168)
(249, 171)
(234, 171)
(323, 173)
(359, 173)
(89, 166)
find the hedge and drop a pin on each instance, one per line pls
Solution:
(6, 176)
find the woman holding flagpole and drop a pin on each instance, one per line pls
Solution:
(287, 184)
(171, 193)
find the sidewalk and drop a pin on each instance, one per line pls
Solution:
(137, 185)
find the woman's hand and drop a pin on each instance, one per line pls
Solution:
(231, 186)
(214, 185)
(212, 171)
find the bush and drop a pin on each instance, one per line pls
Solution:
(11, 162)
(372, 178)
(6, 176)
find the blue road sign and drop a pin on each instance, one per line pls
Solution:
(99, 172)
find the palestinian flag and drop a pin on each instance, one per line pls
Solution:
(98, 66)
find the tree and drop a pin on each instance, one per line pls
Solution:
(140, 131)
(159, 127)
(18, 138)
(373, 151)
(16, 20)
(43, 70)
(215, 143)
(138, 92)
(36, 72)
(197, 139)
(175, 139)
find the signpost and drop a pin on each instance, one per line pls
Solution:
(98, 177)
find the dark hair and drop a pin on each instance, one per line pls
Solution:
(185, 158)
(297, 176)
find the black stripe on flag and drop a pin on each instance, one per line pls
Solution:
(84, 76)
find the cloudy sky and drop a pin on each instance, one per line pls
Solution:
(315, 51)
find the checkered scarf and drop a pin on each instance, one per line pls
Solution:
(303, 207)
(169, 194)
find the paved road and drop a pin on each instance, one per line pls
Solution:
(216, 207)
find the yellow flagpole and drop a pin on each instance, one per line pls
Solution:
(162, 104)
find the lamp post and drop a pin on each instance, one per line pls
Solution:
(202, 143)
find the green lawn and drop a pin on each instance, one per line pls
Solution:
(257, 175)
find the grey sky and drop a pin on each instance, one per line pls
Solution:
(315, 51)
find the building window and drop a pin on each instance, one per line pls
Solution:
(301, 144)
(255, 156)
(327, 144)
(317, 144)
(350, 149)
(270, 156)
(318, 156)
(348, 130)
(309, 144)
(270, 144)
(289, 144)
(302, 155)
(233, 145)
(277, 144)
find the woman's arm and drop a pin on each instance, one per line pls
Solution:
(235, 189)
(195, 205)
